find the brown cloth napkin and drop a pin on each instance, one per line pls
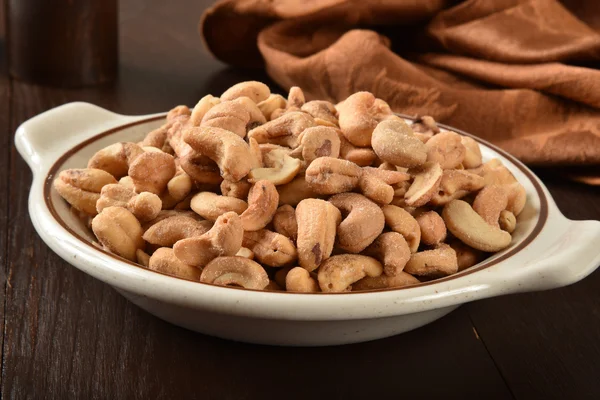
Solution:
(518, 73)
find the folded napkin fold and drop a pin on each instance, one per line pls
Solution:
(519, 73)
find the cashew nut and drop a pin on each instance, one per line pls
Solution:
(425, 184)
(256, 91)
(119, 231)
(262, 203)
(116, 158)
(272, 103)
(359, 115)
(168, 231)
(151, 172)
(318, 141)
(400, 220)
(210, 205)
(435, 263)
(177, 113)
(426, 126)
(391, 250)
(228, 115)
(158, 139)
(284, 130)
(270, 248)
(228, 150)
(327, 175)
(363, 223)
(178, 188)
(433, 229)
(295, 97)
(294, 192)
(446, 148)
(246, 253)
(375, 189)
(338, 273)
(317, 223)
(235, 271)
(284, 222)
(323, 112)
(361, 156)
(468, 226)
(456, 184)
(81, 187)
(142, 257)
(239, 189)
(164, 260)
(472, 154)
(394, 141)
(507, 221)
(384, 281)
(281, 168)
(202, 107)
(490, 202)
(223, 239)
(466, 256)
(300, 280)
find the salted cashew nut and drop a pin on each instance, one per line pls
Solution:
(425, 127)
(435, 263)
(178, 112)
(284, 222)
(394, 141)
(338, 273)
(294, 192)
(401, 221)
(433, 229)
(119, 231)
(507, 221)
(262, 204)
(490, 202)
(168, 231)
(295, 97)
(178, 188)
(468, 226)
(142, 257)
(359, 114)
(376, 184)
(239, 189)
(456, 184)
(270, 248)
(517, 197)
(201, 108)
(317, 224)
(384, 282)
(281, 168)
(364, 221)
(361, 156)
(390, 249)
(210, 205)
(246, 253)
(300, 280)
(235, 271)
(228, 150)
(284, 130)
(164, 260)
(272, 103)
(116, 158)
(473, 157)
(425, 184)
(228, 115)
(328, 175)
(158, 138)
(223, 239)
(446, 148)
(151, 172)
(322, 111)
(466, 256)
(318, 141)
(81, 188)
(256, 91)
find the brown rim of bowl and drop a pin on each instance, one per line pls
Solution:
(543, 214)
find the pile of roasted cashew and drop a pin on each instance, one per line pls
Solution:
(250, 189)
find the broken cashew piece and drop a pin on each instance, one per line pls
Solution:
(425, 184)
(163, 260)
(317, 224)
(338, 273)
(300, 280)
(399, 220)
(235, 271)
(435, 263)
(282, 168)
(262, 204)
(270, 248)
(391, 250)
(468, 226)
(327, 175)
(322, 111)
(363, 223)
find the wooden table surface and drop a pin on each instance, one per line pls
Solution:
(67, 335)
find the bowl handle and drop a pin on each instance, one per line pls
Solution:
(570, 253)
(42, 138)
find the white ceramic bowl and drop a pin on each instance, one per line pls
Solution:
(547, 251)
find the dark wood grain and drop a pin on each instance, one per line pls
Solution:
(68, 335)
(546, 343)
